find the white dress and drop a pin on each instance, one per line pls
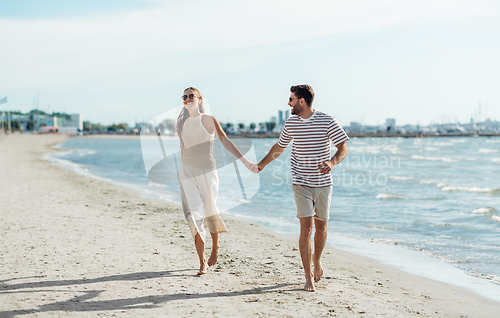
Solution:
(199, 180)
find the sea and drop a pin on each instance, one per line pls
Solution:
(429, 206)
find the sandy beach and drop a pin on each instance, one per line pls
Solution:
(74, 246)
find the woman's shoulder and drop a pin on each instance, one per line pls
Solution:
(208, 122)
(207, 119)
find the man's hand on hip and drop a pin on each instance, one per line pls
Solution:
(325, 167)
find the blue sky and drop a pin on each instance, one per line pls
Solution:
(125, 61)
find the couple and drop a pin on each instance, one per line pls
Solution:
(312, 132)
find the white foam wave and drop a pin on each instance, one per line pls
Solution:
(443, 144)
(156, 185)
(456, 141)
(72, 166)
(400, 178)
(428, 182)
(431, 148)
(497, 160)
(376, 149)
(243, 201)
(496, 218)
(468, 189)
(494, 141)
(444, 159)
(485, 150)
(383, 227)
(85, 152)
(484, 210)
(73, 152)
(385, 196)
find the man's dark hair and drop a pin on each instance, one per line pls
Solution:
(303, 91)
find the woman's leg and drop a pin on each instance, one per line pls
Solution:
(215, 249)
(200, 248)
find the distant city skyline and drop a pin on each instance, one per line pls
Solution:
(419, 62)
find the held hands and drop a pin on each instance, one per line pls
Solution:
(250, 165)
(325, 167)
(254, 168)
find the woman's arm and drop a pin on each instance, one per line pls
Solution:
(212, 125)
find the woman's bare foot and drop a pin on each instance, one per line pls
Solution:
(203, 269)
(309, 285)
(213, 256)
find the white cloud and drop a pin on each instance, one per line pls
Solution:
(129, 59)
(131, 44)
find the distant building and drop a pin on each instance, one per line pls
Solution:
(287, 114)
(273, 120)
(51, 121)
(74, 121)
(281, 120)
(355, 127)
(390, 124)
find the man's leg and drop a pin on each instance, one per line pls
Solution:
(319, 245)
(306, 224)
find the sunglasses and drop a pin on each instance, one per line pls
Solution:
(190, 96)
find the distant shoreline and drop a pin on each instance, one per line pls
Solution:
(351, 135)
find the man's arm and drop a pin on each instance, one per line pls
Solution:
(274, 153)
(327, 166)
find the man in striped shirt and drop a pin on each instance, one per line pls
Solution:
(312, 132)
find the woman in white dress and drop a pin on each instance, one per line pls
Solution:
(199, 181)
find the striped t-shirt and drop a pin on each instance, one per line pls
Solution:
(312, 139)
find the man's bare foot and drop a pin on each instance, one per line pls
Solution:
(309, 285)
(203, 269)
(318, 271)
(213, 256)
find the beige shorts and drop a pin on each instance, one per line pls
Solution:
(313, 201)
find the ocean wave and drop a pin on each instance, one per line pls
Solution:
(485, 150)
(428, 181)
(156, 185)
(443, 144)
(376, 149)
(85, 152)
(490, 141)
(496, 218)
(444, 159)
(497, 160)
(401, 178)
(389, 196)
(484, 210)
(243, 201)
(468, 189)
(80, 169)
(431, 148)
(75, 153)
(383, 227)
